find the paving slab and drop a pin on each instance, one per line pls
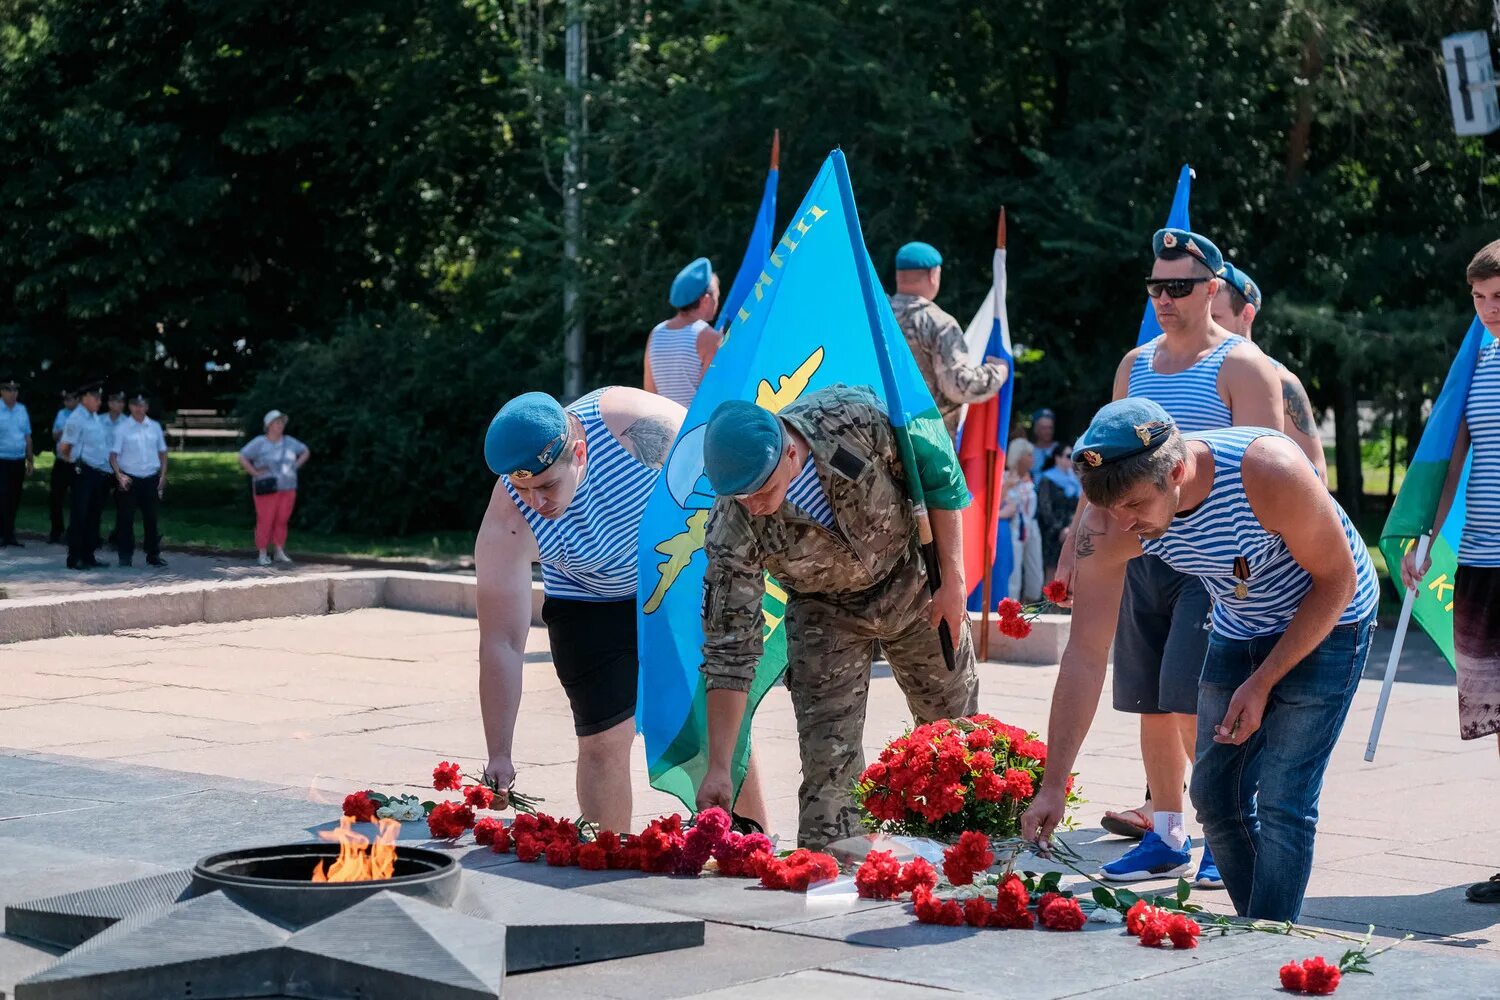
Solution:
(826, 983)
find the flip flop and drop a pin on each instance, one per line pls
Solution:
(1122, 825)
(1485, 892)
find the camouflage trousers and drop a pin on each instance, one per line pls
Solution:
(831, 641)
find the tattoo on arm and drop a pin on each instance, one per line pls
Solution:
(1083, 540)
(649, 439)
(1298, 408)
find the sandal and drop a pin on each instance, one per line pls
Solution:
(1485, 892)
(1132, 824)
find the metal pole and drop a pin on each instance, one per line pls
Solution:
(990, 527)
(575, 70)
(1397, 641)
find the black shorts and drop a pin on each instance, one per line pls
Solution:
(1161, 640)
(593, 649)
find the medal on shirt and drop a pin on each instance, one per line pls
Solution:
(1242, 574)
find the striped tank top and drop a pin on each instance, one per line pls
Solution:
(807, 495)
(675, 364)
(1480, 543)
(1190, 396)
(1209, 541)
(589, 553)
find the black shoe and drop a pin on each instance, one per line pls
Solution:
(126, 563)
(91, 563)
(156, 561)
(75, 564)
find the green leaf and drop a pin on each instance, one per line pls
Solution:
(379, 799)
(428, 807)
(1105, 898)
(1127, 898)
(1051, 882)
(1183, 891)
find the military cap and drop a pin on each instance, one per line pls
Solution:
(118, 396)
(690, 284)
(741, 447)
(139, 397)
(70, 394)
(917, 256)
(10, 383)
(526, 436)
(1191, 244)
(1243, 284)
(91, 389)
(1123, 429)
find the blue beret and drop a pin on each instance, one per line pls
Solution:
(526, 436)
(1122, 429)
(690, 284)
(918, 257)
(1243, 284)
(741, 447)
(1191, 244)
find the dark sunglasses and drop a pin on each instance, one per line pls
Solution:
(1177, 288)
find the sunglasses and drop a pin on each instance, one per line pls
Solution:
(1177, 288)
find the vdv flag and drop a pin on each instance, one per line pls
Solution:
(984, 429)
(807, 323)
(759, 247)
(1416, 505)
(1177, 218)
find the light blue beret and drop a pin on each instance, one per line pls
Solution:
(1191, 244)
(1122, 429)
(741, 447)
(526, 436)
(918, 257)
(690, 284)
(1243, 283)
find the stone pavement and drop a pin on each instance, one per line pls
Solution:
(128, 753)
(40, 570)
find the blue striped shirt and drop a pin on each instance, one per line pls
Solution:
(1480, 544)
(807, 495)
(1207, 542)
(588, 553)
(675, 364)
(1191, 396)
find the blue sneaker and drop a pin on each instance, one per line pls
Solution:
(1208, 873)
(1152, 858)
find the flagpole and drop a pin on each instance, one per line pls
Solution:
(893, 400)
(776, 150)
(1397, 641)
(991, 459)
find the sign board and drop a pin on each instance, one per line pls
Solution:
(1471, 83)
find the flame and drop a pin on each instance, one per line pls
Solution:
(357, 860)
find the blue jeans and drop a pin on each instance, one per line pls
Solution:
(1258, 802)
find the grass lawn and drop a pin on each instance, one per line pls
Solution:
(208, 504)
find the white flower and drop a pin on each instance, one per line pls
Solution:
(406, 809)
(1104, 915)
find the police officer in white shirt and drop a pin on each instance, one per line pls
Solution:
(138, 457)
(86, 443)
(15, 458)
(114, 418)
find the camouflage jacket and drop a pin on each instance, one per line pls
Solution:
(855, 454)
(937, 342)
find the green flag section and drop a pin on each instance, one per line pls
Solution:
(1416, 505)
(815, 316)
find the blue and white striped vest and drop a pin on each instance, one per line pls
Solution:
(1191, 396)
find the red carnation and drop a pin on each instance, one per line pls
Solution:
(1293, 978)
(978, 912)
(1320, 978)
(502, 842)
(359, 806)
(592, 858)
(527, 823)
(931, 910)
(1018, 783)
(478, 796)
(1154, 928)
(879, 876)
(1035, 749)
(486, 830)
(1135, 917)
(1008, 608)
(736, 850)
(989, 787)
(1056, 592)
(918, 873)
(1015, 628)
(446, 777)
(562, 853)
(1012, 905)
(449, 821)
(529, 847)
(979, 739)
(1183, 930)
(1064, 914)
(970, 855)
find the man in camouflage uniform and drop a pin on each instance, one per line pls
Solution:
(935, 338)
(816, 497)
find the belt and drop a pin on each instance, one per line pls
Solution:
(141, 475)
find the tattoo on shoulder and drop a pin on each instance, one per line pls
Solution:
(1083, 541)
(649, 439)
(1298, 408)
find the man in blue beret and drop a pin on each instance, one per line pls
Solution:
(1235, 308)
(679, 350)
(573, 487)
(1205, 377)
(1294, 598)
(815, 496)
(935, 338)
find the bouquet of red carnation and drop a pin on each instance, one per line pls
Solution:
(943, 778)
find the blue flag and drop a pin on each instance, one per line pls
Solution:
(811, 319)
(1177, 218)
(756, 251)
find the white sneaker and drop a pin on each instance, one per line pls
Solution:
(262, 560)
(281, 555)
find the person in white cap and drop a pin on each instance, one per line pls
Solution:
(679, 350)
(272, 460)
